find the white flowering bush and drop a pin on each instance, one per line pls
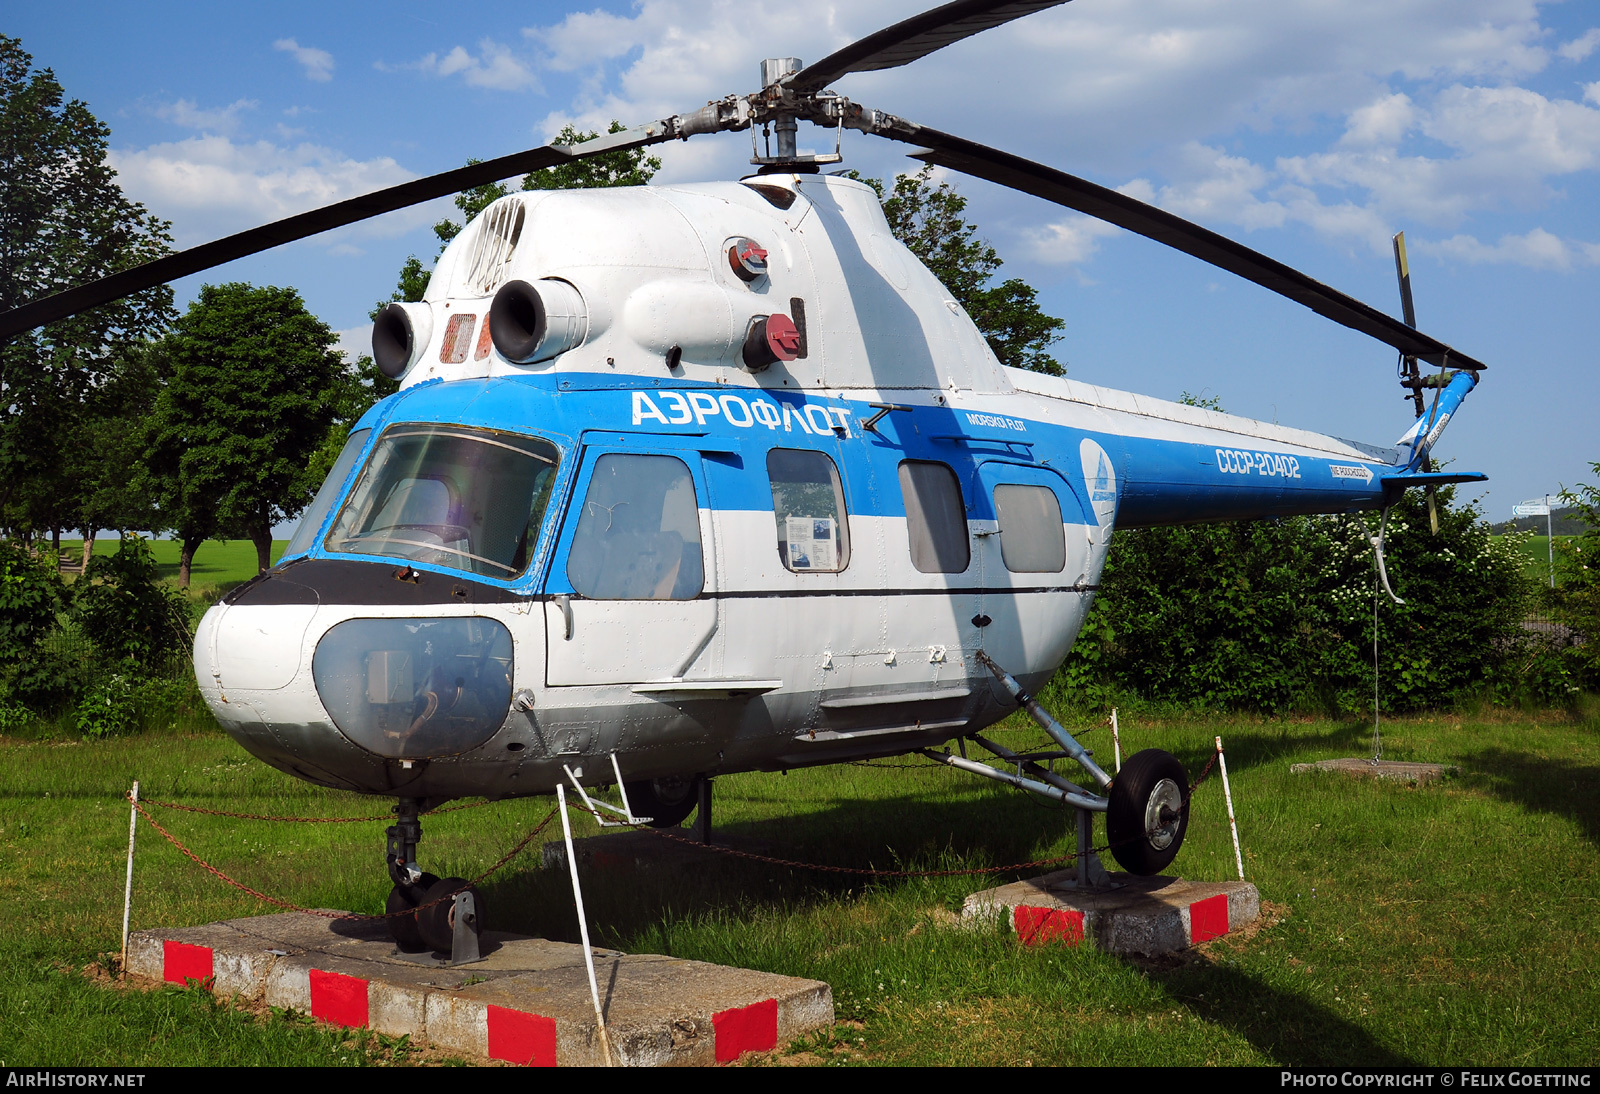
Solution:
(1279, 614)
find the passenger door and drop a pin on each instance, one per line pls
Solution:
(629, 595)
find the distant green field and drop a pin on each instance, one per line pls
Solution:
(1537, 550)
(217, 562)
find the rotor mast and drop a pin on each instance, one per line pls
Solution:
(774, 71)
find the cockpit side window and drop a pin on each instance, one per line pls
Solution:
(469, 499)
(317, 512)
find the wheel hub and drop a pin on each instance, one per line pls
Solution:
(1162, 813)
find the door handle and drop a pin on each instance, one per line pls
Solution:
(564, 602)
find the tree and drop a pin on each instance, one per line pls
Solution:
(929, 219)
(625, 167)
(63, 222)
(252, 384)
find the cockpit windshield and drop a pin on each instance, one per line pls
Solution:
(469, 499)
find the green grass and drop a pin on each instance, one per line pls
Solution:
(1450, 924)
(217, 564)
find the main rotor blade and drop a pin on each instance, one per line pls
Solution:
(1033, 178)
(311, 223)
(915, 37)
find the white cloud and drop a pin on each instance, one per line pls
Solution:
(1213, 187)
(210, 186)
(1536, 248)
(1400, 112)
(493, 67)
(1521, 131)
(1382, 122)
(1069, 242)
(317, 63)
(225, 120)
(354, 342)
(1580, 47)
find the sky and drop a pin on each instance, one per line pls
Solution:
(1306, 129)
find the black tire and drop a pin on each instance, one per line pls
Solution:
(667, 802)
(1150, 782)
(403, 928)
(437, 923)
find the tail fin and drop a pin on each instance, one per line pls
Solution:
(1419, 440)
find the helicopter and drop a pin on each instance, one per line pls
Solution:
(688, 480)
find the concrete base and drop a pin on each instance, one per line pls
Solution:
(1142, 915)
(1397, 770)
(526, 1002)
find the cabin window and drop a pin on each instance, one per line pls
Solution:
(1032, 540)
(808, 504)
(469, 499)
(936, 517)
(317, 512)
(638, 536)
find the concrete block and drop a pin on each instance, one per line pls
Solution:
(527, 1002)
(1140, 915)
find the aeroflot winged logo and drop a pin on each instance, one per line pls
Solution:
(1101, 479)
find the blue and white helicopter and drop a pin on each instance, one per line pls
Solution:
(690, 480)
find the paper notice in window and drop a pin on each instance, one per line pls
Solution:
(811, 543)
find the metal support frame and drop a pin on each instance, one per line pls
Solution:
(1028, 703)
(1033, 776)
(594, 805)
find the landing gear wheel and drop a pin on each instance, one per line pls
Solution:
(437, 925)
(665, 801)
(403, 928)
(1148, 815)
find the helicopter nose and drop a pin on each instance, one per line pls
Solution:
(415, 688)
(398, 687)
(254, 647)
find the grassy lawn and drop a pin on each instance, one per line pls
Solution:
(217, 563)
(1446, 925)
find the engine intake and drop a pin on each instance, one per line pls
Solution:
(399, 337)
(537, 322)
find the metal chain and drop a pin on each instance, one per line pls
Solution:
(305, 820)
(858, 871)
(203, 864)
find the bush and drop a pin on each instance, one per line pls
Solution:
(32, 595)
(1275, 615)
(128, 611)
(106, 708)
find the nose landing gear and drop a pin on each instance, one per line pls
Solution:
(426, 912)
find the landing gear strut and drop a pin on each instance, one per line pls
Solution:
(450, 918)
(1146, 803)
